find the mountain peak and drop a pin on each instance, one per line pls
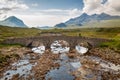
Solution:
(104, 14)
(84, 14)
(12, 18)
(94, 14)
(13, 22)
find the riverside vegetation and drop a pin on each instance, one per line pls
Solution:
(106, 51)
(112, 33)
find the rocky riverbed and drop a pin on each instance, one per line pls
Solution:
(96, 64)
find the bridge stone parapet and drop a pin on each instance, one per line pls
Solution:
(48, 40)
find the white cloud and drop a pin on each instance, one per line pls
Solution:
(114, 4)
(94, 6)
(48, 17)
(41, 20)
(75, 12)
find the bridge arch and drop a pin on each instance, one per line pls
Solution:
(48, 40)
(60, 46)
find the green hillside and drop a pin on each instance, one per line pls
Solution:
(9, 32)
(111, 32)
(104, 23)
(108, 33)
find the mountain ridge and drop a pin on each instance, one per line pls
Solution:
(85, 19)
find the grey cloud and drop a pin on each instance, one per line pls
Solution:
(9, 5)
(5, 9)
(117, 8)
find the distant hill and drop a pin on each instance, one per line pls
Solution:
(44, 27)
(88, 19)
(13, 21)
(60, 25)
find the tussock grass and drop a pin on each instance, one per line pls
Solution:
(107, 33)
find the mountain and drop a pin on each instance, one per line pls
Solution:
(60, 25)
(13, 21)
(44, 27)
(85, 19)
(77, 20)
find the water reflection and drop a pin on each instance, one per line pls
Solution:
(81, 49)
(40, 49)
(64, 71)
(22, 67)
(60, 46)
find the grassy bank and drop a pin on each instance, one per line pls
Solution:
(112, 33)
(107, 33)
(9, 32)
(10, 45)
(115, 45)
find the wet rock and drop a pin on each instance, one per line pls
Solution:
(45, 63)
(14, 68)
(85, 73)
(15, 77)
(72, 54)
(6, 78)
(8, 74)
(106, 54)
(56, 65)
(110, 76)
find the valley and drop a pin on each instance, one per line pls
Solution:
(59, 40)
(72, 57)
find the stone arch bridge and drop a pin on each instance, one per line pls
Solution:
(48, 40)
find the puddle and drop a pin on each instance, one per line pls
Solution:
(59, 46)
(64, 71)
(76, 65)
(68, 65)
(105, 64)
(60, 74)
(22, 67)
(81, 50)
(40, 49)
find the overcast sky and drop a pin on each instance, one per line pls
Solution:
(50, 12)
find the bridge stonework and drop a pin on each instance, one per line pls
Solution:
(48, 40)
